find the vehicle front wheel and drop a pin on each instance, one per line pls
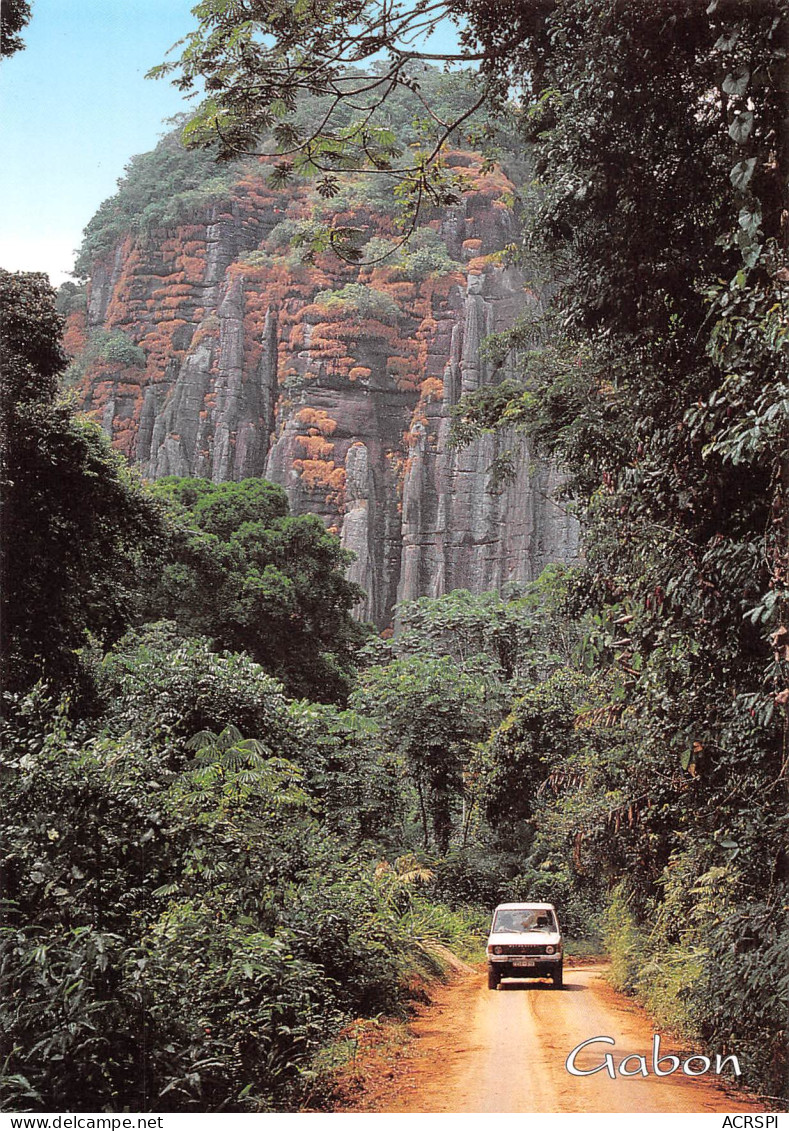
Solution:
(558, 979)
(493, 978)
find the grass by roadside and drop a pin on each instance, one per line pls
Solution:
(365, 1051)
(583, 952)
(362, 1055)
(443, 944)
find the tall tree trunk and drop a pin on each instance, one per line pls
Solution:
(423, 814)
(442, 821)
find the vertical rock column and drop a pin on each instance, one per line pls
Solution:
(259, 397)
(356, 527)
(460, 531)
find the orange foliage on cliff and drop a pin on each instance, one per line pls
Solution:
(158, 287)
(192, 266)
(316, 418)
(75, 334)
(322, 344)
(408, 384)
(441, 286)
(399, 366)
(432, 389)
(296, 337)
(316, 473)
(173, 290)
(400, 291)
(357, 330)
(315, 447)
(427, 327)
(479, 263)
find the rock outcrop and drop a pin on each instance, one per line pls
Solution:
(335, 380)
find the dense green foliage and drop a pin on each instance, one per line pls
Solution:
(166, 186)
(431, 712)
(240, 569)
(361, 301)
(101, 346)
(179, 932)
(162, 687)
(76, 524)
(284, 83)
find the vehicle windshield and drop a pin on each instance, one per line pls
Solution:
(514, 921)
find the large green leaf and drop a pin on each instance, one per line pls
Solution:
(742, 172)
(740, 129)
(736, 82)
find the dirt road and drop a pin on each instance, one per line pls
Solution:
(476, 1050)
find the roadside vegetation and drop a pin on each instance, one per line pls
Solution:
(234, 820)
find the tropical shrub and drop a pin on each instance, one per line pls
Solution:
(163, 688)
(361, 300)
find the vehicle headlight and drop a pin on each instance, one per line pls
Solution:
(498, 950)
(549, 949)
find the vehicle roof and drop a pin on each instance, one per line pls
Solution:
(525, 907)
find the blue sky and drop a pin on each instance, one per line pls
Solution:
(75, 106)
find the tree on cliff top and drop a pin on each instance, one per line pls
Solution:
(75, 523)
(172, 183)
(258, 61)
(356, 63)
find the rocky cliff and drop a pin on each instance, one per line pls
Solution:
(209, 349)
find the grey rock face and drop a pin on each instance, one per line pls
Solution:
(247, 376)
(460, 530)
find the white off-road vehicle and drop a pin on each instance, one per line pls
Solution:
(524, 942)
